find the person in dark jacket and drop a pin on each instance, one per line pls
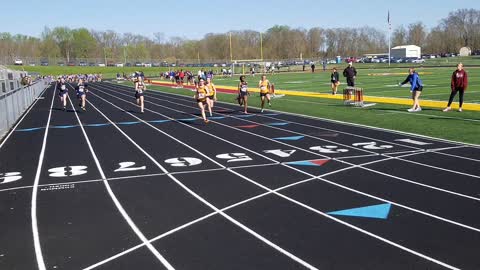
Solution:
(416, 87)
(458, 84)
(350, 73)
(335, 79)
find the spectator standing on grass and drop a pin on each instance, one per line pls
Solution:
(351, 74)
(459, 83)
(313, 67)
(335, 79)
(416, 87)
(324, 64)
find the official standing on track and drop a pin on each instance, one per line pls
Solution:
(416, 88)
(335, 80)
(458, 84)
(243, 93)
(351, 74)
(201, 97)
(139, 91)
(212, 95)
(82, 93)
(264, 86)
(63, 91)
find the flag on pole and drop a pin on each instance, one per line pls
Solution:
(388, 20)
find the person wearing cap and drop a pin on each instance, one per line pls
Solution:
(350, 73)
(459, 83)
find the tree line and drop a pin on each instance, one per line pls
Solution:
(460, 28)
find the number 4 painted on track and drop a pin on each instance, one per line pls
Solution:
(281, 153)
(9, 177)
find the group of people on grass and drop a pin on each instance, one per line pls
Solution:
(459, 84)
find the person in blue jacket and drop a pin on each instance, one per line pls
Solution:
(416, 87)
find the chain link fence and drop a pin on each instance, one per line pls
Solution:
(15, 98)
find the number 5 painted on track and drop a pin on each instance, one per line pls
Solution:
(183, 162)
(372, 146)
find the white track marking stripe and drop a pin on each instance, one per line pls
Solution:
(117, 202)
(351, 226)
(33, 212)
(245, 228)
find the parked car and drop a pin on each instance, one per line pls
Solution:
(101, 65)
(32, 64)
(61, 63)
(418, 61)
(91, 64)
(138, 64)
(18, 62)
(82, 64)
(119, 65)
(44, 63)
(71, 64)
(128, 64)
(156, 64)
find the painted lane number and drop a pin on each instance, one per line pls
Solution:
(183, 162)
(234, 157)
(10, 177)
(127, 167)
(280, 153)
(328, 149)
(68, 171)
(372, 146)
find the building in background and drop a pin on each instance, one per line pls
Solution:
(407, 51)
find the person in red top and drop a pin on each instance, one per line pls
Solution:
(182, 76)
(459, 84)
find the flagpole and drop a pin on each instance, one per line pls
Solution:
(389, 39)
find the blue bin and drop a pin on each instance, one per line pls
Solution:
(339, 60)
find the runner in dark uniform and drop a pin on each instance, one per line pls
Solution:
(63, 92)
(82, 93)
(243, 93)
(139, 90)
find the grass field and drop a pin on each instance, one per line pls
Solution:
(463, 127)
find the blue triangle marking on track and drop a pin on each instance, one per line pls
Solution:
(379, 211)
(292, 138)
(187, 119)
(302, 163)
(29, 129)
(159, 121)
(217, 117)
(63, 127)
(278, 124)
(128, 123)
(97, 125)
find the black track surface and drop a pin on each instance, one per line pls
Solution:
(118, 189)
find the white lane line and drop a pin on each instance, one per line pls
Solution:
(306, 135)
(117, 202)
(324, 119)
(33, 212)
(198, 197)
(24, 115)
(212, 214)
(352, 226)
(342, 161)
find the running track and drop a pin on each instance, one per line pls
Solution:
(114, 189)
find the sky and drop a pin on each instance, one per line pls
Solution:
(193, 19)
